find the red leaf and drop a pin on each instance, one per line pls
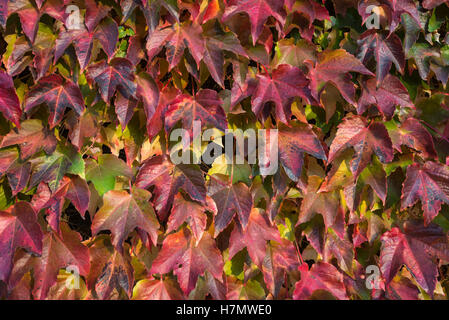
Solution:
(294, 141)
(191, 212)
(179, 249)
(176, 39)
(153, 289)
(365, 140)
(18, 228)
(414, 247)
(430, 184)
(59, 252)
(231, 199)
(117, 75)
(83, 40)
(122, 212)
(58, 94)
(168, 179)
(32, 137)
(414, 135)
(254, 237)
(385, 50)
(109, 269)
(9, 102)
(322, 276)
(205, 107)
(386, 97)
(258, 12)
(334, 66)
(285, 83)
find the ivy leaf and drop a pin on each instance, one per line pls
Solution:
(31, 138)
(258, 12)
(153, 289)
(176, 39)
(117, 75)
(414, 135)
(384, 49)
(58, 94)
(324, 203)
(30, 15)
(430, 4)
(94, 14)
(18, 229)
(191, 212)
(285, 83)
(59, 251)
(258, 231)
(206, 107)
(366, 140)
(110, 269)
(389, 94)
(334, 66)
(429, 183)
(122, 212)
(216, 41)
(322, 276)
(148, 92)
(188, 261)
(230, 199)
(415, 246)
(9, 102)
(294, 141)
(74, 189)
(167, 180)
(83, 40)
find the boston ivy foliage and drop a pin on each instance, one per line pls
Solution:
(358, 208)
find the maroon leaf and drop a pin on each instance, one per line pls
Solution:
(168, 179)
(9, 102)
(254, 237)
(365, 140)
(109, 269)
(176, 39)
(83, 40)
(414, 135)
(117, 75)
(58, 94)
(258, 12)
(430, 184)
(385, 50)
(285, 83)
(18, 229)
(122, 212)
(334, 66)
(322, 276)
(230, 199)
(206, 107)
(191, 212)
(32, 137)
(415, 247)
(294, 141)
(179, 249)
(30, 15)
(386, 97)
(153, 289)
(59, 252)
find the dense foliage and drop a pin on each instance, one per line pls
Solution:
(87, 182)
